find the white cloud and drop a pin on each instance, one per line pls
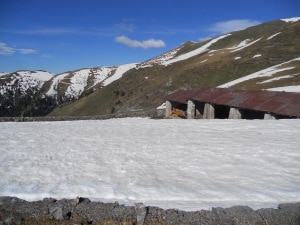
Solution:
(6, 50)
(232, 25)
(125, 27)
(27, 51)
(47, 31)
(150, 43)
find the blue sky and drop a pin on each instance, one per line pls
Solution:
(62, 35)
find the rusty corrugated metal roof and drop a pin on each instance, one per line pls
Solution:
(282, 103)
(180, 96)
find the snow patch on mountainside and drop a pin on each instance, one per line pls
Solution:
(244, 44)
(54, 86)
(256, 56)
(101, 74)
(241, 44)
(262, 73)
(170, 57)
(274, 35)
(160, 59)
(286, 89)
(119, 73)
(195, 52)
(291, 20)
(278, 78)
(77, 83)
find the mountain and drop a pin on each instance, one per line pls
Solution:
(20, 93)
(37, 93)
(261, 57)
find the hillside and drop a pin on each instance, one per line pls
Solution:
(260, 57)
(36, 93)
(195, 65)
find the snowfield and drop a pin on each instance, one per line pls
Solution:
(183, 164)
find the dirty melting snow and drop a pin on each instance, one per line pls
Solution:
(183, 164)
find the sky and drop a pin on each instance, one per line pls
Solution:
(63, 35)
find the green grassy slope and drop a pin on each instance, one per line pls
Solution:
(145, 88)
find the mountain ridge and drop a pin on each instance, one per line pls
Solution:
(142, 86)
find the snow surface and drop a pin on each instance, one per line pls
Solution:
(79, 79)
(2, 73)
(241, 44)
(244, 44)
(37, 75)
(77, 83)
(278, 78)
(262, 73)
(119, 73)
(160, 59)
(256, 56)
(24, 80)
(294, 19)
(286, 89)
(101, 74)
(54, 86)
(183, 164)
(195, 52)
(274, 35)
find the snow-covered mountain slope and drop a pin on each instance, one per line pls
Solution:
(2, 73)
(23, 81)
(23, 92)
(69, 85)
(291, 20)
(72, 84)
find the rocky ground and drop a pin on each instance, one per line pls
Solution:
(81, 211)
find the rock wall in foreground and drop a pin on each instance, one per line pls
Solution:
(82, 211)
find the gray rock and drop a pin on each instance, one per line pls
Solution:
(83, 200)
(141, 212)
(97, 211)
(82, 210)
(155, 215)
(285, 214)
(7, 221)
(56, 212)
(174, 217)
(223, 218)
(49, 200)
(239, 215)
